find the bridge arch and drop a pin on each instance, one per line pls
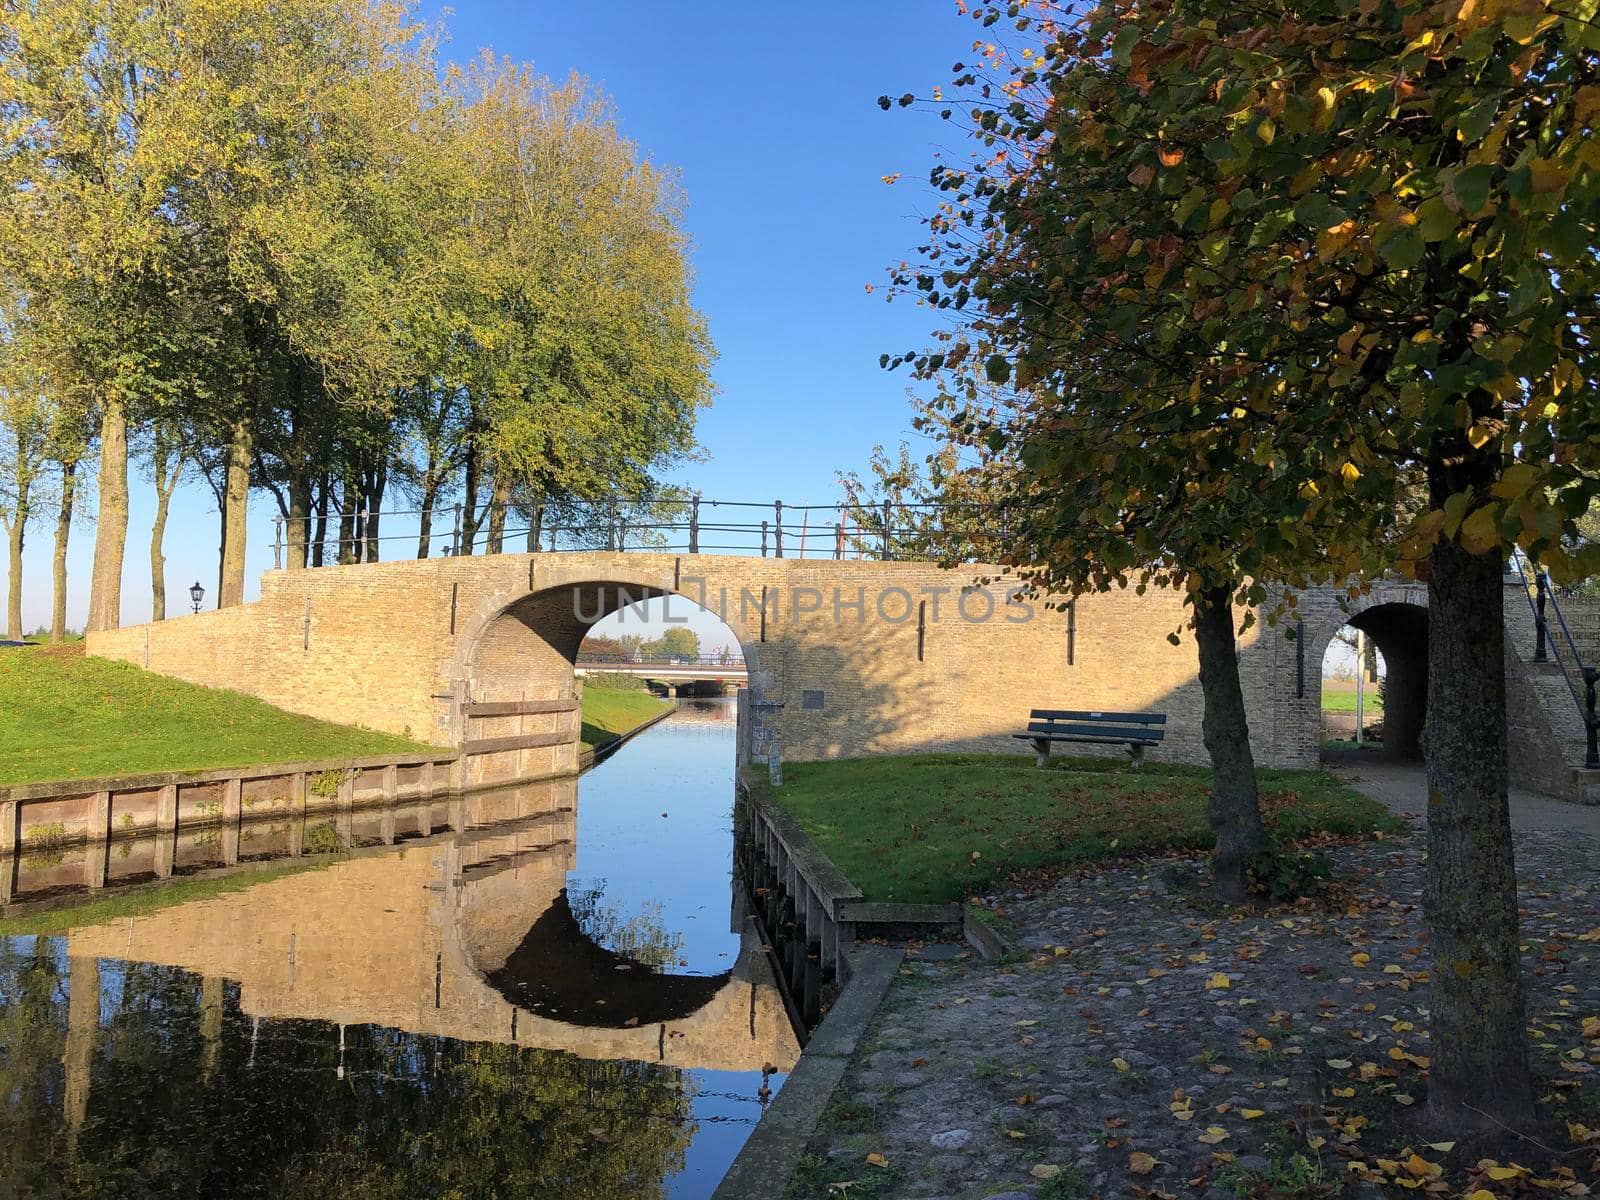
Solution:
(522, 645)
(1395, 617)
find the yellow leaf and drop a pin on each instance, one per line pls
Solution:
(1360, 958)
(1218, 981)
(877, 1160)
(1120, 1064)
(1480, 533)
(1339, 1064)
(1350, 472)
(1500, 1174)
(1250, 1114)
(1344, 1093)
(1044, 1171)
(1214, 1135)
(1141, 1163)
(1421, 1167)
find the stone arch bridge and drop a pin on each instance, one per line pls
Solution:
(845, 657)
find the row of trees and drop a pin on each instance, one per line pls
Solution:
(272, 244)
(1241, 293)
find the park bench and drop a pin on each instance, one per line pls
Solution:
(1133, 730)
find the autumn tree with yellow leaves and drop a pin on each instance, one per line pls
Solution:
(1228, 286)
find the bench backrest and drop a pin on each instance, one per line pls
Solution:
(1142, 727)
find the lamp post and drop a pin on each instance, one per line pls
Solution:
(197, 594)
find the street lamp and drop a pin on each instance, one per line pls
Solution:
(197, 594)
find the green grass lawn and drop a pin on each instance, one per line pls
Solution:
(609, 713)
(1340, 696)
(66, 716)
(940, 827)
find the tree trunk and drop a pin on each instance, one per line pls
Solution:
(499, 501)
(470, 516)
(1235, 809)
(111, 525)
(535, 527)
(347, 523)
(19, 523)
(319, 535)
(236, 510)
(158, 557)
(298, 518)
(1479, 1083)
(429, 498)
(373, 487)
(58, 564)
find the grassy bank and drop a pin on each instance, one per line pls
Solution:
(939, 827)
(1340, 696)
(67, 716)
(608, 713)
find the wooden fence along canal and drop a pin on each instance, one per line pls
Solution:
(95, 832)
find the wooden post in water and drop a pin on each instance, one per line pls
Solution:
(232, 812)
(211, 1001)
(345, 810)
(83, 1029)
(391, 790)
(97, 853)
(8, 849)
(425, 802)
(297, 814)
(166, 830)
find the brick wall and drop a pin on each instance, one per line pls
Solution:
(835, 665)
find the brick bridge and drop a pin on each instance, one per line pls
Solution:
(845, 656)
(468, 938)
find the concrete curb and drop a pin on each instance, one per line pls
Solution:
(765, 1165)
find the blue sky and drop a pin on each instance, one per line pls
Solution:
(769, 111)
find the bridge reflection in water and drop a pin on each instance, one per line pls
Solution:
(452, 1014)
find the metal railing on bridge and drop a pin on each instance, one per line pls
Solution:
(880, 530)
(1542, 599)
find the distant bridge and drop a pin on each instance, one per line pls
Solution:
(706, 668)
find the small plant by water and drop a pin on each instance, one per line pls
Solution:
(45, 845)
(324, 839)
(327, 783)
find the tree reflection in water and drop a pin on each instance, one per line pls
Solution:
(185, 1104)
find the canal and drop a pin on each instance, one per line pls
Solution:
(563, 998)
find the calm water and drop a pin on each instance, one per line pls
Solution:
(560, 1001)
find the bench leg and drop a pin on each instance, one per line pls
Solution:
(1136, 752)
(1041, 752)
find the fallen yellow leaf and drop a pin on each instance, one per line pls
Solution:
(877, 1160)
(1141, 1163)
(1250, 1114)
(1218, 981)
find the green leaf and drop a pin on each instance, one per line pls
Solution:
(1435, 220)
(1316, 211)
(1122, 45)
(1477, 120)
(1566, 239)
(1469, 187)
(1404, 249)
(997, 369)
